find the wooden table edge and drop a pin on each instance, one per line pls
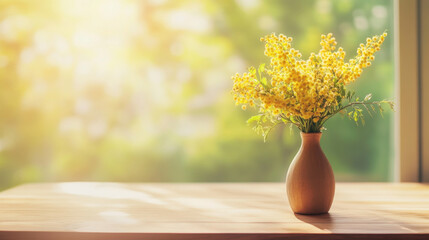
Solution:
(47, 235)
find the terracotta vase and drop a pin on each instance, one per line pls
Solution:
(310, 181)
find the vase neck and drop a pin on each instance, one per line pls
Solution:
(310, 139)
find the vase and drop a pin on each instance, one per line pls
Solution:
(310, 182)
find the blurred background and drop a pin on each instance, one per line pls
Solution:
(139, 91)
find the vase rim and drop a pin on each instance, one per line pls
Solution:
(310, 134)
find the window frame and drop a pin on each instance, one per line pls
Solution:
(423, 7)
(411, 81)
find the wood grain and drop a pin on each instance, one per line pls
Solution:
(209, 211)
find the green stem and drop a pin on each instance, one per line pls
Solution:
(346, 106)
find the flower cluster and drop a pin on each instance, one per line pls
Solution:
(303, 92)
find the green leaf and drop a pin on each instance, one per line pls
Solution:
(348, 95)
(264, 81)
(355, 116)
(339, 99)
(255, 118)
(252, 70)
(261, 68)
(285, 121)
(351, 95)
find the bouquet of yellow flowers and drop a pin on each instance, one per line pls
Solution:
(305, 93)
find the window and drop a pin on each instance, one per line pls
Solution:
(140, 90)
(412, 158)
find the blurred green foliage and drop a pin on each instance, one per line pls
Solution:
(140, 90)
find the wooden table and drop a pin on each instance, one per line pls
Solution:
(209, 211)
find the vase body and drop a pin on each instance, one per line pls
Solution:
(310, 182)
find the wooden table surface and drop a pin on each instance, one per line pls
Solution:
(209, 211)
